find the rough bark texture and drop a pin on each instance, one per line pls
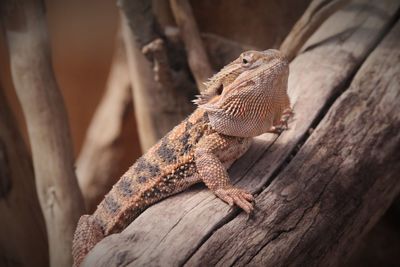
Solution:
(108, 148)
(184, 229)
(19, 204)
(44, 111)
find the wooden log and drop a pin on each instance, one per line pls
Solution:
(23, 240)
(173, 230)
(107, 150)
(59, 195)
(335, 189)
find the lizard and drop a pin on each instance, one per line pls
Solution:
(248, 97)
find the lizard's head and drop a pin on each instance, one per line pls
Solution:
(243, 98)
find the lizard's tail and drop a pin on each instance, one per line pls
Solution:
(86, 236)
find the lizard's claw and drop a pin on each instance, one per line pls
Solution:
(283, 123)
(240, 197)
(278, 129)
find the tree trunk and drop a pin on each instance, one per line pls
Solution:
(59, 195)
(319, 189)
(23, 240)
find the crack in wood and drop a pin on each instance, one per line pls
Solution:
(306, 210)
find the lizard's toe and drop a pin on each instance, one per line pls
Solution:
(237, 196)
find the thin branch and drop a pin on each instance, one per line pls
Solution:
(45, 114)
(196, 53)
(317, 12)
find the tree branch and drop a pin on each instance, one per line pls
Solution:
(43, 107)
(196, 53)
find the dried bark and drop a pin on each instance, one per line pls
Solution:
(59, 195)
(107, 150)
(23, 240)
(190, 219)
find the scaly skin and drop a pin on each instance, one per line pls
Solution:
(246, 98)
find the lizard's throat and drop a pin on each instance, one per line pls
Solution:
(239, 126)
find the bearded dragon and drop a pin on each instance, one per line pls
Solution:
(248, 97)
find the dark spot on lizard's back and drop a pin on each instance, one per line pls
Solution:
(186, 145)
(188, 126)
(185, 138)
(140, 165)
(143, 166)
(165, 152)
(142, 179)
(101, 222)
(111, 204)
(124, 186)
(205, 118)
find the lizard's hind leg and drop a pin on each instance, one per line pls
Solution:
(87, 235)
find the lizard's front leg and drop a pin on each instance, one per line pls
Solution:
(215, 176)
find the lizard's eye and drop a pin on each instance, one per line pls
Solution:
(246, 61)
